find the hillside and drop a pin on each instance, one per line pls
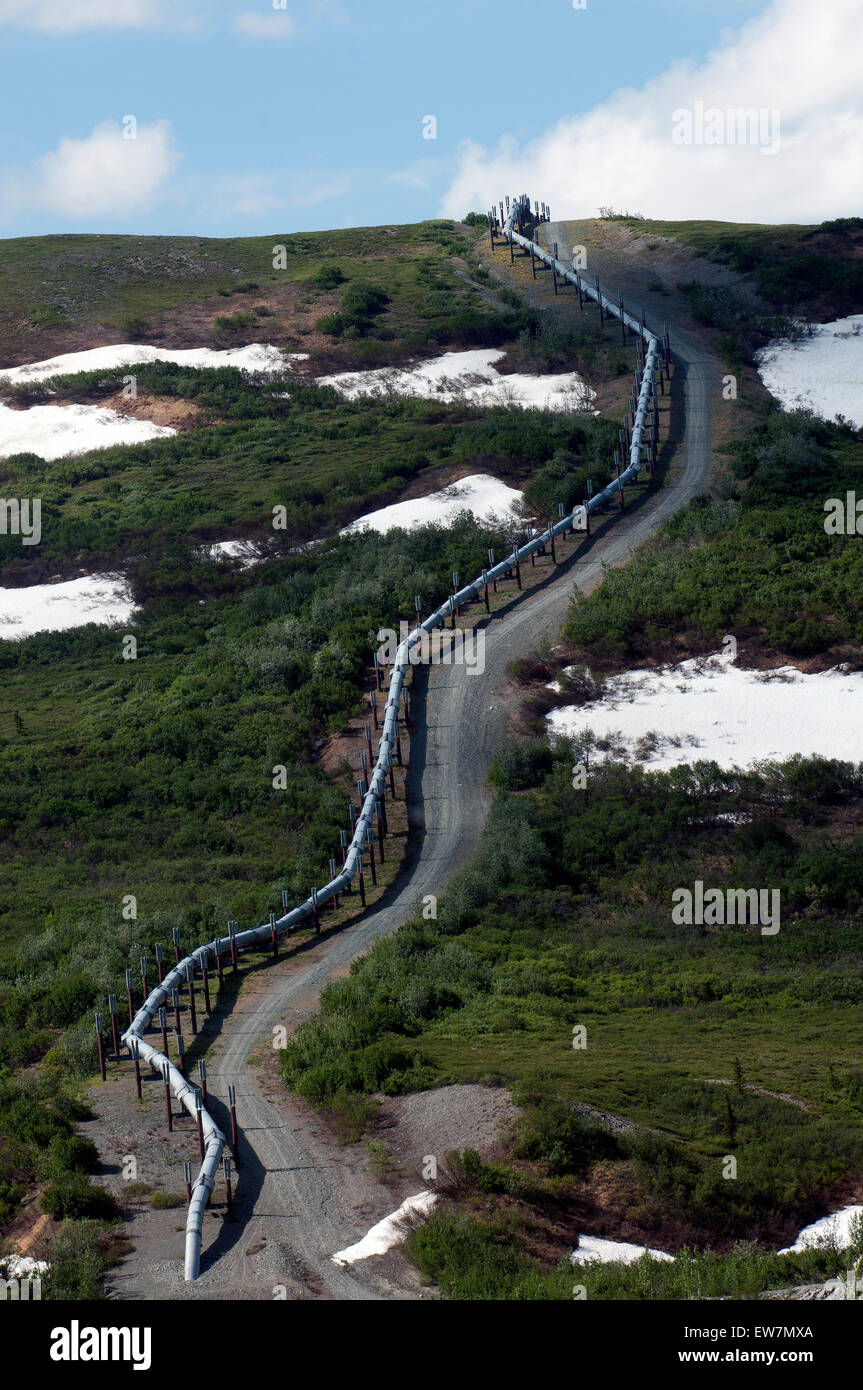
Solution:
(153, 778)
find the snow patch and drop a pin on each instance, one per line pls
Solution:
(57, 431)
(823, 372)
(479, 493)
(388, 1232)
(592, 1250)
(94, 598)
(830, 1230)
(713, 710)
(22, 1267)
(256, 357)
(467, 376)
(234, 550)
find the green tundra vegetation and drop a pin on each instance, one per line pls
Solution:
(471, 1259)
(812, 270)
(756, 563)
(154, 777)
(135, 287)
(565, 919)
(320, 457)
(706, 1040)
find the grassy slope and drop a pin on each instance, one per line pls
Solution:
(239, 459)
(244, 451)
(814, 270)
(77, 282)
(565, 941)
(159, 864)
(153, 777)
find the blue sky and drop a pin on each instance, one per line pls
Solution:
(252, 119)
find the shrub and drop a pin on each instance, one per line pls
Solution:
(362, 300)
(328, 277)
(233, 323)
(134, 328)
(553, 1133)
(77, 1264)
(67, 1000)
(334, 324)
(520, 766)
(166, 1201)
(67, 1153)
(76, 1199)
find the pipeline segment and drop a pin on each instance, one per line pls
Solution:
(186, 1093)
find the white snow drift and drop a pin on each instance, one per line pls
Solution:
(836, 1230)
(22, 1267)
(712, 709)
(823, 372)
(467, 376)
(57, 431)
(592, 1250)
(388, 1232)
(479, 493)
(94, 598)
(256, 357)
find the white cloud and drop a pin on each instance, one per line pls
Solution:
(69, 16)
(246, 195)
(797, 58)
(260, 195)
(276, 25)
(102, 175)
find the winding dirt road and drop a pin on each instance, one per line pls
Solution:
(296, 1205)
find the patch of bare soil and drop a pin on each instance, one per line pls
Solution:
(431, 1123)
(159, 410)
(29, 1231)
(139, 1158)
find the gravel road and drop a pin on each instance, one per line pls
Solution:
(291, 1194)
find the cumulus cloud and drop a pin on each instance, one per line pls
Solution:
(106, 174)
(69, 16)
(277, 25)
(797, 65)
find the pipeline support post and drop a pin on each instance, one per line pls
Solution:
(235, 1134)
(166, 1077)
(130, 980)
(100, 1048)
(115, 1036)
